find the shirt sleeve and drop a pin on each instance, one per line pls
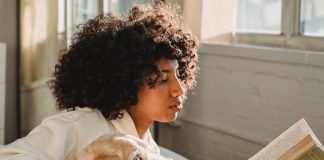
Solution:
(54, 138)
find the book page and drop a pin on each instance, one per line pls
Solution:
(302, 147)
(285, 141)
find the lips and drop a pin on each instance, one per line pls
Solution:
(176, 106)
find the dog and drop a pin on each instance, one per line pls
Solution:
(118, 147)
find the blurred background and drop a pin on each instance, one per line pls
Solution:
(262, 69)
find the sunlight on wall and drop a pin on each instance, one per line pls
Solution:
(38, 38)
(26, 43)
(41, 21)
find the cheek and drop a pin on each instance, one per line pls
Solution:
(160, 92)
(153, 95)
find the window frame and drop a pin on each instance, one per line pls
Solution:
(104, 6)
(289, 36)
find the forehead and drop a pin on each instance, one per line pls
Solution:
(167, 64)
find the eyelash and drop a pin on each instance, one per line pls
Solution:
(164, 81)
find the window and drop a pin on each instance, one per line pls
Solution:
(312, 18)
(121, 7)
(78, 12)
(61, 14)
(74, 12)
(258, 16)
(295, 24)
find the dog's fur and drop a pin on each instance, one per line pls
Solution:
(118, 147)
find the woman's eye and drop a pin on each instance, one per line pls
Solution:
(163, 78)
(163, 81)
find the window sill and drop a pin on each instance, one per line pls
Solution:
(280, 55)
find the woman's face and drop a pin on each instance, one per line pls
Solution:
(162, 102)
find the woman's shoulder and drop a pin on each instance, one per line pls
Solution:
(66, 132)
(78, 116)
(87, 123)
(83, 120)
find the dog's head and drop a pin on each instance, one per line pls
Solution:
(117, 147)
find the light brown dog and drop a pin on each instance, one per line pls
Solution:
(118, 147)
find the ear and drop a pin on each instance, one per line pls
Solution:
(138, 155)
(158, 2)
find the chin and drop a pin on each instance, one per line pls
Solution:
(170, 118)
(174, 118)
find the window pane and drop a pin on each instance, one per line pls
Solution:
(105, 6)
(312, 17)
(121, 7)
(84, 10)
(61, 16)
(258, 16)
(78, 12)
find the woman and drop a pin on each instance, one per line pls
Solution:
(119, 75)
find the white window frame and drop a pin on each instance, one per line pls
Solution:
(289, 36)
(66, 34)
(104, 6)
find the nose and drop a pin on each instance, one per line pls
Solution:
(177, 89)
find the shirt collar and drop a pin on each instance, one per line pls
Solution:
(125, 125)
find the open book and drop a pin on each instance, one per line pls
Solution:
(297, 143)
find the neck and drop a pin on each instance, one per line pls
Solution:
(141, 124)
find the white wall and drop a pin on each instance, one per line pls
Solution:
(39, 51)
(37, 103)
(2, 90)
(245, 97)
(39, 39)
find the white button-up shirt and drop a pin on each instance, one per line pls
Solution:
(64, 135)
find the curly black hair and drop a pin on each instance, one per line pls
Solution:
(111, 58)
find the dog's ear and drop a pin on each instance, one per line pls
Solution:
(157, 2)
(138, 155)
(112, 146)
(118, 146)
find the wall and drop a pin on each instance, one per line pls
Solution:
(2, 90)
(38, 39)
(37, 103)
(246, 96)
(8, 35)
